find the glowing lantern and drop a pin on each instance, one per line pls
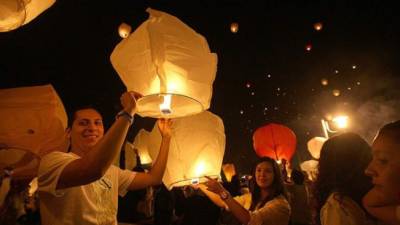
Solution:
(196, 150)
(234, 27)
(275, 141)
(124, 30)
(318, 26)
(15, 13)
(32, 119)
(336, 92)
(169, 64)
(314, 146)
(140, 143)
(324, 81)
(308, 47)
(311, 168)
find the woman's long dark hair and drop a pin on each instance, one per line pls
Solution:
(277, 187)
(341, 169)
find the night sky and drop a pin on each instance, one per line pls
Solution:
(265, 72)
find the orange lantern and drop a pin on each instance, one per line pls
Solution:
(234, 27)
(308, 47)
(318, 26)
(275, 141)
(124, 30)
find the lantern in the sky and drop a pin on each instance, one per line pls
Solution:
(275, 141)
(196, 150)
(308, 47)
(318, 26)
(15, 13)
(124, 30)
(336, 92)
(324, 81)
(32, 119)
(234, 27)
(139, 145)
(314, 146)
(169, 64)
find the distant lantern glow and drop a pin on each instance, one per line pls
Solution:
(341, 121)
(248, 85)
(124, 30)
(324, 81)
(318, 26)
(308, 47)
(234, 27)
(336, 71)
(354, 67)
(336, 92)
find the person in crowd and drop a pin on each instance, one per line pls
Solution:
(265, 204)
(383, 200)
(82, 186)
(299, 199)
(341, 182)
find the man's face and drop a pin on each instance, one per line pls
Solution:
(385, 166)
(87, 129)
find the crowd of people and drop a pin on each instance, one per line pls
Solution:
(356, 183)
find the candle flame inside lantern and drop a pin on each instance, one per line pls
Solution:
(165, 107)
(200, 169)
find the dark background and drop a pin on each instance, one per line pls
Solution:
(264, 72)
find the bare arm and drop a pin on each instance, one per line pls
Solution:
(156, 173)
(242, 214)
(212, 196)
(93, 165)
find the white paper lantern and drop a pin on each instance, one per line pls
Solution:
(140, 143)
(196, 150)
(170, 64)
(314, 146)
(311, 168)
(15, 13)
(32, 119)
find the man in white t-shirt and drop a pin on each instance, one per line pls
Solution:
(82, 187)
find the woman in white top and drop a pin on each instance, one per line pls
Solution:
(266, 204)
(341, 182)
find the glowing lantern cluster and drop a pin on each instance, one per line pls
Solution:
(169, 64)
(124, 30)
(15, 13)
(196, 150)
(234, 27)
(275, 141)
(32, 119)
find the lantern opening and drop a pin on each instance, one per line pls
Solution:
(165, 107)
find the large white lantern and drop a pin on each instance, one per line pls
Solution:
(15, 13)
(196, 150)
(32, 119)
(314, 146)
(169, 64)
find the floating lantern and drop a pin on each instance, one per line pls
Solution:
(308, 47)
(124, 30)
(15, 13)
(32, 119)
(336, 92)
(324, 81)
(311, 168)
(169, 64)
(318, 26)
(275, 141)
(314, 146)
(196, 150)
(140, 144)
(234, 27)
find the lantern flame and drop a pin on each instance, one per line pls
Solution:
(200, 169)
(165, 107)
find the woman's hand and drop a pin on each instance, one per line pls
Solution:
(165, 127)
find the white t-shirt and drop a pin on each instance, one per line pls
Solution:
(94, 203)
(274, 212)
(342, 211)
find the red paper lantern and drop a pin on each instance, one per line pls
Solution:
(275, 141)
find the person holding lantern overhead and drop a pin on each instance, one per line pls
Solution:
(265, 204)
(82, 187)
(341, 182)
(383, 200)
